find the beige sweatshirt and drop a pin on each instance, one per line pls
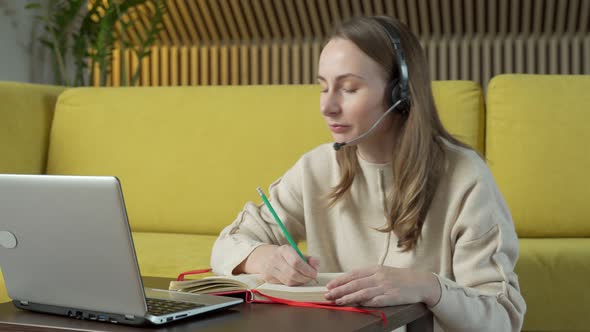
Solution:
(468, 239)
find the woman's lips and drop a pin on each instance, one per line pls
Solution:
(337, 128)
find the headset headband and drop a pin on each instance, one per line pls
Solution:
(403, 88)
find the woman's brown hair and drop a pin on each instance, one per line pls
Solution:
(418, 153)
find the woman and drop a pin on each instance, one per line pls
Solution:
(410, 213)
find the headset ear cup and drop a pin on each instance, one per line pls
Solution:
(394, 95)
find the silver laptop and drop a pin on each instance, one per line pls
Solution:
(66, 248)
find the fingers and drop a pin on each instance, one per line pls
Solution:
(349, 288)
(365, 295)
(287, 275)
(294, 260)
(350, 276)
(272, 280)
(314, 262)
(376, 287)
(287, 267)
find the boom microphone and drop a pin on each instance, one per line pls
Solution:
(337, 145)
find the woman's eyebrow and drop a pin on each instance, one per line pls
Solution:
(342, 76)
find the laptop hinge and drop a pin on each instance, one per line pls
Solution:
(129, 317)
(24, 302)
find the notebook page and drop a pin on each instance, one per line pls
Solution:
(310, 287)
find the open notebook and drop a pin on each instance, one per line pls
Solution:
(256, 289)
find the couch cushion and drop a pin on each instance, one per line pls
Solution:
(190, 157)
(167, 255)
(26, 111)
(537, 140)
(460, 106)
(553, 276)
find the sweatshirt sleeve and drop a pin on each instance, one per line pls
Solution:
(256, 226)
(483, 292)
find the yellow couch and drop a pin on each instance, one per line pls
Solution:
(537, 146)
(190, 157)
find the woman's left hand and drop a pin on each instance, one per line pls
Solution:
(380, 286)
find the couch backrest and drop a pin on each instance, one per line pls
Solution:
(537, 146)
(190, 157)
(26, 111)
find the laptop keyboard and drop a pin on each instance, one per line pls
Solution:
(158, 307)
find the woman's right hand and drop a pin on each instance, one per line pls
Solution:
(280, 265)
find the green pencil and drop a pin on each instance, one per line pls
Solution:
(283, 228)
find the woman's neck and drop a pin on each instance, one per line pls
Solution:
(378, 149)
(379, 152)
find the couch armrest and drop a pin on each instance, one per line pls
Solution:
(26, 112)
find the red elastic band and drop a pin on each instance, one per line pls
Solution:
(181, 276)
(324, 306)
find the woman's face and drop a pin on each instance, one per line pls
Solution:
(352, 97)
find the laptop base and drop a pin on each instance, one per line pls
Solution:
(82, 314)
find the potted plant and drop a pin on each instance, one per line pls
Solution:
(81, 36)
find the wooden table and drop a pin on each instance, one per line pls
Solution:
(245, 317)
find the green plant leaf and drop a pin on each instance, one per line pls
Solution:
(46, 42)
(33, 6)
(41, 18)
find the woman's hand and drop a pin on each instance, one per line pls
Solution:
(380, 286)
(285, 266)
(280, 265)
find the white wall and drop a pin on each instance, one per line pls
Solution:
(22, 58)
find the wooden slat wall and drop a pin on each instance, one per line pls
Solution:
(480, 59)
(280, 62)
(207, 21)
(221, 42)
(290, 62)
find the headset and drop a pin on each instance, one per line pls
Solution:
(400, 88)
(399, 97)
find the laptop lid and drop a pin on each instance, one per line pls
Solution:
(66, 248)
(72, 243)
